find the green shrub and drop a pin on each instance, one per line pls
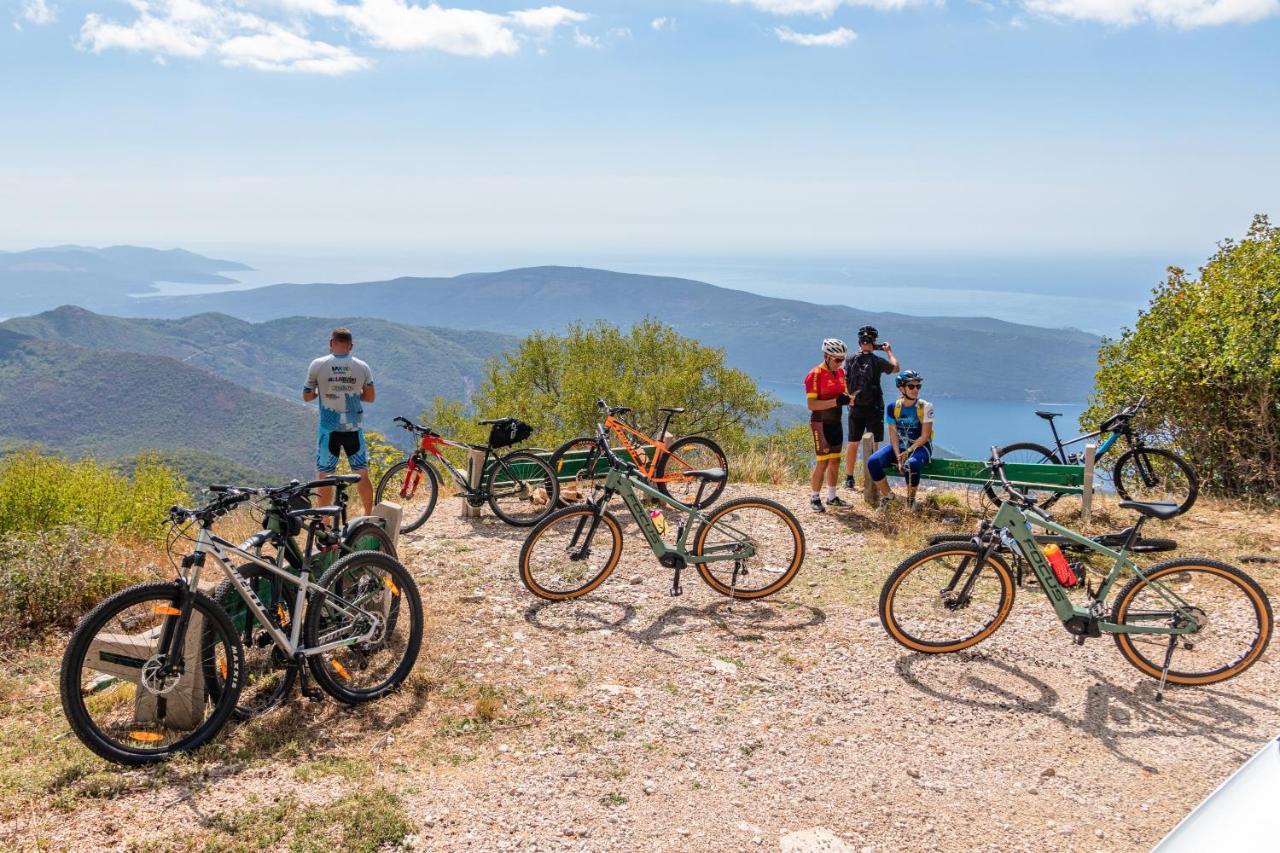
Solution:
(50, 578)
(779, 458)
(1207, 354)
(40, 492)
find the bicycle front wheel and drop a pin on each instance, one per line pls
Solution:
(1154, 474)
(370, 596)
(522, 489)
(946, 598)
(1025, 453)
(773, 535)
(1231, 609)
(570, 553)
(582, 457)
(115, 695)
(691, 453)
(415, 491)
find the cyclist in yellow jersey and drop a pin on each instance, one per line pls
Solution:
(824, 390)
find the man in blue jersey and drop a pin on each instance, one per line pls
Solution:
(910, 423)
(342, 384)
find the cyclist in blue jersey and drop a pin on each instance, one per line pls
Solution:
(910, 423)
(342, 384)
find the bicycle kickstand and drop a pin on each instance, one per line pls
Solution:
(1164, 673)
(304, 680)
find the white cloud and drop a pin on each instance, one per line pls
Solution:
(661, 23)
(839, 37)
(1186, 14)
(280, 41)
(825, 8)
(582, 39)
(282, 50)
(38, 12)
(399, 25)
(547, 17)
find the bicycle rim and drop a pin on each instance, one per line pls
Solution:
(1153, 474)
(268, 674)
(415, 492)
(691, 453)
(941, 600)
(522, 489)
(565, 557)
(772, 533)
(114, 695)
(1232, 609)
(371, 596)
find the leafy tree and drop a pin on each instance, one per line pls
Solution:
(1207, 354)
(552, 381)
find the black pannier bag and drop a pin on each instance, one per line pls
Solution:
(509, 431)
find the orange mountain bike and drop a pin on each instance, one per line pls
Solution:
(665, 466)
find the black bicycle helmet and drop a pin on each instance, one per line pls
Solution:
(909, 376)
(867, 334)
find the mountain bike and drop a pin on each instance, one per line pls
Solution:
(668, 468)
(745, 548)
(286, 512)
(954, 595)
(1141, 473)
(520, 487)
(158, 667)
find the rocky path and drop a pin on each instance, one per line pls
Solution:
(633, 720)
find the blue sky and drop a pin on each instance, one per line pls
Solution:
(776, 127)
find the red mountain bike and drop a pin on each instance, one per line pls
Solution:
(521, 488)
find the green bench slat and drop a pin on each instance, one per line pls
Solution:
(572, 463)
(1068, 479)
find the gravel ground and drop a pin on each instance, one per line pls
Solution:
(633, 720)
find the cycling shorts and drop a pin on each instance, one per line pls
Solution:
(333, 443)
(828, 439)
(863, 420)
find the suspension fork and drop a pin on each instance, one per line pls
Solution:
(580, 552)
(963, 596)
(174, 632)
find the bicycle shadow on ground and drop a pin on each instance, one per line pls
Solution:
(1112, 714)
(742, 620)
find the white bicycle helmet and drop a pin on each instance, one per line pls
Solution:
(834, 346)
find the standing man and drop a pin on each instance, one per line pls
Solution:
(824, 390)
(862, 372)
(343, 384)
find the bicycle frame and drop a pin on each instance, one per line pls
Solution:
(617, 482)
(209, 543)
(431, 444)
(623, 430)
(1016, 524)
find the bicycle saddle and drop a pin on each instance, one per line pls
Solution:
(495, 421)
(1048, 416)
(1152, 509)
(317, 511)
(675, 410)
(344, 479)
(711, 475)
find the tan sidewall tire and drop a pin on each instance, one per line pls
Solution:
(1233, 574)
(910, 564)
(527, 577)
(787, 577)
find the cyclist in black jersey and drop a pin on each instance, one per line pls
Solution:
(862, 371)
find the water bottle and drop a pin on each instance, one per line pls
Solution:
(1061, 568)
(659, 521)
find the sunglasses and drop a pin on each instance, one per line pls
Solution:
(914, 386)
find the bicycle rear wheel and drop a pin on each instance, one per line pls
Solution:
(415, 491)
(522, 489)
(366, 593)
(769, 529)
(1233, 611)
(691, 453)
(941, 600)
(569, 553)
(1154, 474)
(113, 694)
(584, 481)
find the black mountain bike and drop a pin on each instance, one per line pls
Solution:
(1141, 473)
(520, 487)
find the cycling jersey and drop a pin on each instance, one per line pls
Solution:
(909, 419)
(338, 381)
(824, 384)
(863, 371)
